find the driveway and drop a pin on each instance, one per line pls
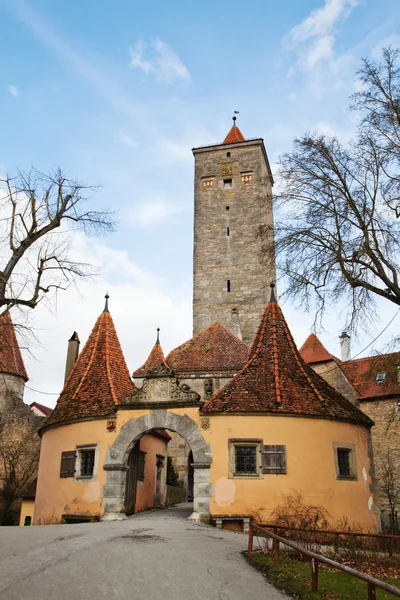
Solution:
(150, 556)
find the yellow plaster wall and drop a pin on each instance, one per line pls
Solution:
(56, 495)
(310, 467)
(145, 490)
(27, 509)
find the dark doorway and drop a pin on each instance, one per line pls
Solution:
(131, 479)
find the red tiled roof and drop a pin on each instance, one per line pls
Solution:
(361, 373)
(234, 135)
(10, 354)
(213, 350)
(276, 380)
(46, 410)
(99, 379)
(313, 351)
(154, 364)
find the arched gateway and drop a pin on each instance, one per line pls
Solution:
(117, 457)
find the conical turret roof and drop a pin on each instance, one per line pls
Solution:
(234, 135)
(313, 350)
(276, 380)
(155, 363)
(99, 379)
(10, 354)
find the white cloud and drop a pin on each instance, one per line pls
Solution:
(159, 59)
(152, 212)
(391, 40)
(127, 141)
(13, 90)
(139, 303)
(313, 39)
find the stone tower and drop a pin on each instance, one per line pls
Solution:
(234, 260)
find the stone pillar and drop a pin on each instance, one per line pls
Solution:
(114, 493)
(202, 491)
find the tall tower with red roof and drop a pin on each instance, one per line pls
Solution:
(233, 234)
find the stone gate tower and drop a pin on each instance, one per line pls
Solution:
(234, 258)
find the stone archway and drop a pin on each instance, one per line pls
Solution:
(117, 456)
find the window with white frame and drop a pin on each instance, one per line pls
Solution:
(244, 458)
(345, 460)
(86, 462)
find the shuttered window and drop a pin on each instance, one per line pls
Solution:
(68, 461)
(141, 463)
(273, 459)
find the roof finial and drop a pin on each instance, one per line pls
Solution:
(158, 336)
(273, 298)
(106, 304)
(235, 112)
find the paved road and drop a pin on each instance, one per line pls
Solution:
(156, 555)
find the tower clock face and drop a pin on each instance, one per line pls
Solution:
(226, 169)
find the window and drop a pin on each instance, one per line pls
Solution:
(380, 376)
(244, 458)
(86, 462)
(228, 154)
(343, 455)
(228, 184)
(227, 208)
(273, 459)
(227, 231)
(345, 461)
(228, 285)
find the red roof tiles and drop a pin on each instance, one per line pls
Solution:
(10, 354)
(155, 363)
(362, 372)
(45, 410)
(213, 350)
(313, 351)
(276, 380)
(234, 135)
(99, 379)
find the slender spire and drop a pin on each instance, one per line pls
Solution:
(158, 336)
(106, 304)
(273, 298)
(234, 135)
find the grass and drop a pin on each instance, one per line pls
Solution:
(294, 577)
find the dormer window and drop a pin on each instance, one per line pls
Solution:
(380, 376)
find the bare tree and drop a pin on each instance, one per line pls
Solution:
(19, 457)
(388, 477)
(37, 214)
(338, 235)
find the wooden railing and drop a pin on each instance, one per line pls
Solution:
(386, 543)
(372, 582)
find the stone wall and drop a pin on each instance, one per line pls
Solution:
(333, 374)
(178, 450)
(233, 241)
(386, 443)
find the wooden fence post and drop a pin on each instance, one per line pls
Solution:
(371, 591)
(314, 575)
(275, 552)
(250, 544)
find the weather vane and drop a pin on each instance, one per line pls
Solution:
(235, 112)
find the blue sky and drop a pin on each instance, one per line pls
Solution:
(117, 94)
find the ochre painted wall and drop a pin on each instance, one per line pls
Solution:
(146, 489)
(310, 467)
(27, 508)
(56, 496)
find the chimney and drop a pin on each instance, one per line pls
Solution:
(344, 346)
(72, 353)
(234, 325)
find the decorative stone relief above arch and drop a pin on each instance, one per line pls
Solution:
(117, 456)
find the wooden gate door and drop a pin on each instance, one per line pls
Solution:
(131, 479)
